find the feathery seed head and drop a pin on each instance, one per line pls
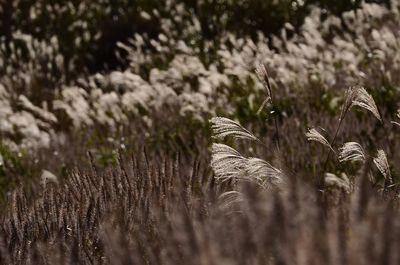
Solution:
(358, 96)
(314, 135)
(351, 151)
(382, 164)
(223, 127)
(263, 76)
(226, 162)
(263, 171)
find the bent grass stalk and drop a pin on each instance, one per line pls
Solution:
(263, 76)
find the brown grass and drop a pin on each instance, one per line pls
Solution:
(167, 211)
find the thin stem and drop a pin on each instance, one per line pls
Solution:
(275, 119)
(322, 180)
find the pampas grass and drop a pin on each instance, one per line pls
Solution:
(382, 164)
(358, 96)
(313, 135)
(351, 151)
(226, 162)
(263, 171)
(223, 127)
(229, 164)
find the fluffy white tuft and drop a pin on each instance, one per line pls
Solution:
(263, 171)
(226, 162)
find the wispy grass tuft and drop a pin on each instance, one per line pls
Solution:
(382, 164)
(358, 96)
(224, 127)
(351, 151)
(313, 135)
(226, 162)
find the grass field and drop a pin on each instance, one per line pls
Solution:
(196, 132)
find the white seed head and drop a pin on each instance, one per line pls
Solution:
(351, 151)
(223, 127)
(263, 171)
(226, 162)
(382, 164)
(358, 96)
(314, 135)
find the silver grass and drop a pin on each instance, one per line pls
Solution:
(226, 162)
(263, 171)
(223, 127)
(358, 96)
(263, 76)
(351, 151)
(314, 135)
(342, 182)
(382, 164)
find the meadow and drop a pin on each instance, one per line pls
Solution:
(197, 132)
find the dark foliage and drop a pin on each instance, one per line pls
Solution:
(107, 22)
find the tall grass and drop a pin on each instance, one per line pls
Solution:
(173, 211)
